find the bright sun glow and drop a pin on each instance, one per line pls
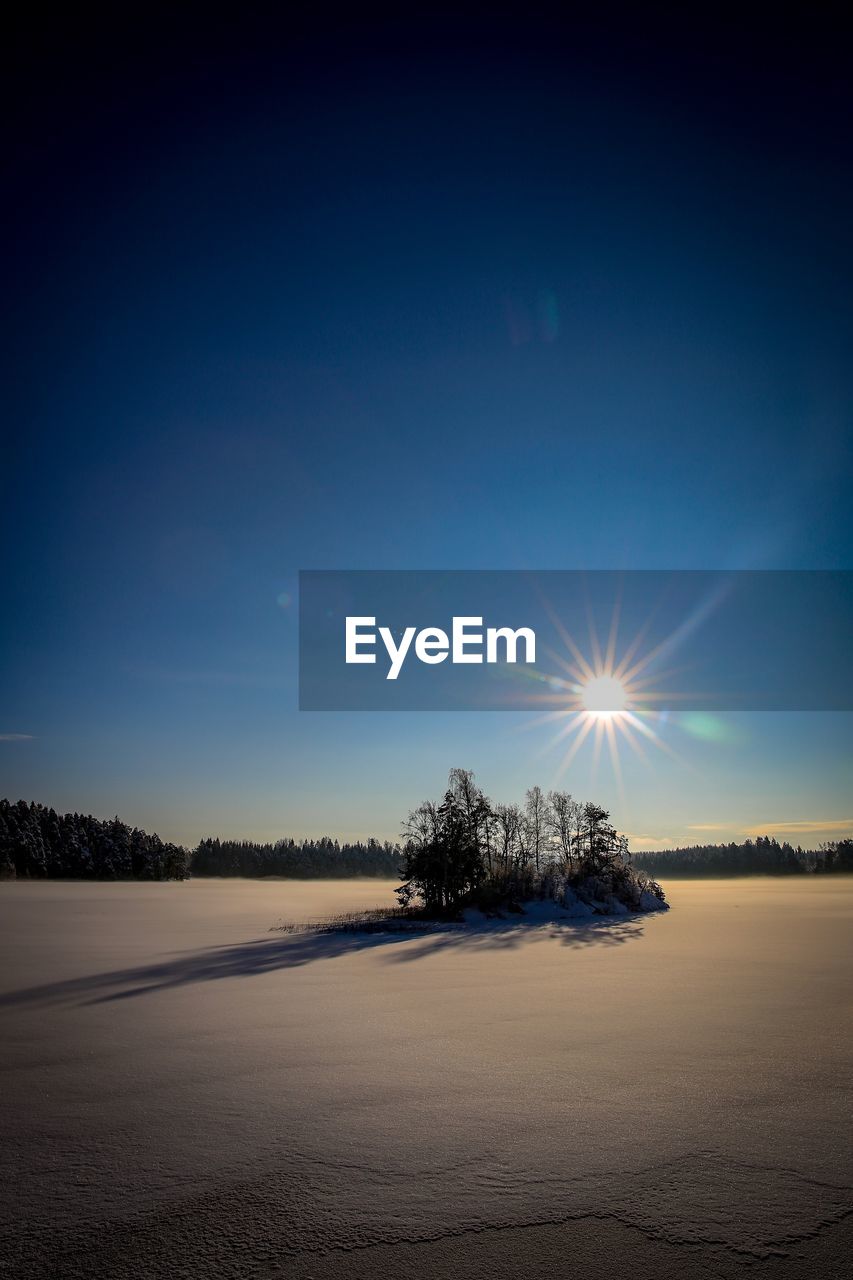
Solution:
(604, 696)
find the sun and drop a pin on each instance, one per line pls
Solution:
(604, 696)
(602, 699)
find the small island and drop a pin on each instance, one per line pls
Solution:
(465, 858)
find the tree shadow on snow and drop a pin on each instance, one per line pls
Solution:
(303, 946)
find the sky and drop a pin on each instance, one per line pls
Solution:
(439, 292)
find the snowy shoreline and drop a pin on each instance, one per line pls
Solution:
(538, 911)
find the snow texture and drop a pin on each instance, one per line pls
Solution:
(187, 1094)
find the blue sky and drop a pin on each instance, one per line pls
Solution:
(417, 310)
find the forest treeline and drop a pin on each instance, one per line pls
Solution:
(490, 844)
(321, 859)
(764, 856)
(39, 843)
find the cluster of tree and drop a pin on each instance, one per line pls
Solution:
(38, 842)
(465, 849)
(763, 856)
(322, 859)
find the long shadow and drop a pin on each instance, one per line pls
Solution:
(292, 950)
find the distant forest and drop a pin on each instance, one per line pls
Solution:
(761, 857)
(322, 859)
(38, 843)
(498, 845)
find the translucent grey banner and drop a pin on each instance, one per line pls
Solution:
(495, 640)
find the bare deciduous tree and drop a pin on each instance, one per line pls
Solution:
(536, 824)
(563, 820)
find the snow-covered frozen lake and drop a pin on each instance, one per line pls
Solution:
(185, 1093)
